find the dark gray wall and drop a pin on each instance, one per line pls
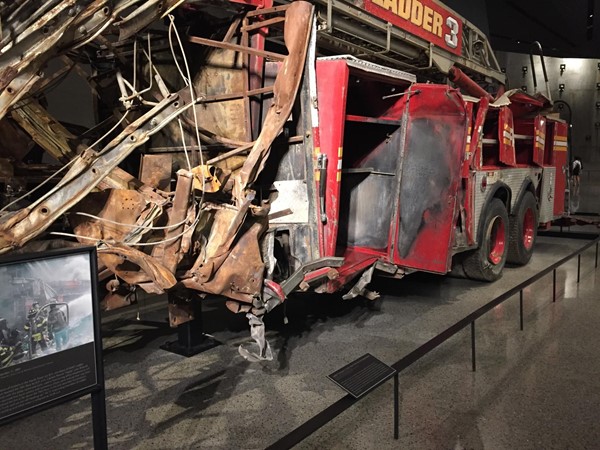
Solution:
(474, 11)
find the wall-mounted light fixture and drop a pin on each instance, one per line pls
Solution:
(599, 66)
(524, 88)
(598, 86)
(562, 68)
(524, 70)
(561, 87)
(597, 105)
(503, 69)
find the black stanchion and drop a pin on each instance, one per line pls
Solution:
(578, 266)
(99, 420)
(553, 285)
(521, 308)
(473, 362)
(396, 408)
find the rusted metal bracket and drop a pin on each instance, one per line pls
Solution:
(298, 276)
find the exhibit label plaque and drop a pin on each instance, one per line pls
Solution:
(362, 375)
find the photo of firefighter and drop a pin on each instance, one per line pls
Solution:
(45, 308)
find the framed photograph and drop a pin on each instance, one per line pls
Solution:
(50, 345)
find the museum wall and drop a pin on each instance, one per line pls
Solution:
(581, 91)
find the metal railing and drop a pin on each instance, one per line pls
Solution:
(335, 409)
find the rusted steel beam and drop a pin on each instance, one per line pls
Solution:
(67, 25)
(296, 35)
(235, 95)
(229, 154)
(28, 52)
(150, 11)
(237, 48)
(170, 252)
(233, 28)
(46, 131)
(246, 82)
(266, 11)
(263, 24)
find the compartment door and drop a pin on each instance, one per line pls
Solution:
(430, 177)
(506, 137)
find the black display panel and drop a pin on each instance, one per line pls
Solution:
(362, 375)
(50, 347)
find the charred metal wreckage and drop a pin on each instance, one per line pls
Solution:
(200, 107)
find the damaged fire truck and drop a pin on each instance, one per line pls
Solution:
(273, 148)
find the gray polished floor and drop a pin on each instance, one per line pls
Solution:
(536, 388)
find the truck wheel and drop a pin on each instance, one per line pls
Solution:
(486, 263)
(523, 231)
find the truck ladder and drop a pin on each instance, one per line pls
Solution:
(345, 27)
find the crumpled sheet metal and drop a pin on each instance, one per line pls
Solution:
(122, 206)
(225, 228)
(154, 273)
(298, 22)
(241, 271)
(260, 350)
(170, 252)
(145, 268)
(125, 207)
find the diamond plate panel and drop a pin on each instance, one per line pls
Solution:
(513, 178)
(547, 195)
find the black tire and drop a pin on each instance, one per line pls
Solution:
(486, 263)
(523, 231)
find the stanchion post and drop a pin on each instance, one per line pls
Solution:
(596, 266)
(99, 420)
(521, 308)
(396, 408)
(553, 285)
(473, 362)
(578, 266)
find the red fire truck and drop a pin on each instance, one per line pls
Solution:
(402, 176)
(334, 141)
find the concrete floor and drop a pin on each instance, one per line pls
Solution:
(533, 389)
